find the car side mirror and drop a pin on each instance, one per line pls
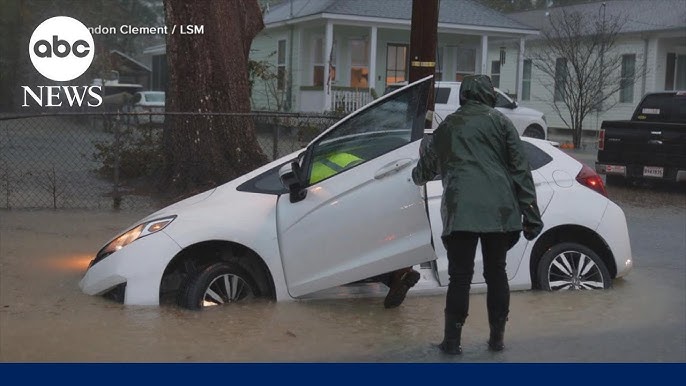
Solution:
(292, 179)
(514, 105)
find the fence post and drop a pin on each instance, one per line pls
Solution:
(116, 198)
(275, 145)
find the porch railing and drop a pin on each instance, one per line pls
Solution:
(348, 100)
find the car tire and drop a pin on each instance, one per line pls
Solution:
(534, 131)
(572, 266)
(217, 284)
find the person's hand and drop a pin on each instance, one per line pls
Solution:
(424, 146)
(530, 230)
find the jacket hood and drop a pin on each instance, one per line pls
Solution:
(477, 88)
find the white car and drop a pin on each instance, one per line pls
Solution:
(529, 122)
(148, 106)
(271, 233)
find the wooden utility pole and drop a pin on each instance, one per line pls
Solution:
(423, 36)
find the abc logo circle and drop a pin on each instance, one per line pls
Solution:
(61, 48)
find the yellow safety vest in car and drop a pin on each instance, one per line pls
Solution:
(332, 164)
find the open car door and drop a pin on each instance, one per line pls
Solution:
(358, 213)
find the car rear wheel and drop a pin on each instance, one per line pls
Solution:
(572, 266)
(217, 284)
(534, 131)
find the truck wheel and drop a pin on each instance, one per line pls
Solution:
(534, 131)
(217, 284)
(572, 266)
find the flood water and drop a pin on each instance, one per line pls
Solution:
(45, 317)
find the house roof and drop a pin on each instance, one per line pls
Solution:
(453, 12)
(641, 15)
(130, 59)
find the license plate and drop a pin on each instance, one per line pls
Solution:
(653, 171)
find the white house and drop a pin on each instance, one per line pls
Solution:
(653, 37)
(335, 54)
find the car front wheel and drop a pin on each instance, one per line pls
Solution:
(217, 284)
(572, 266)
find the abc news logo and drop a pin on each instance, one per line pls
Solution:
(61, 49)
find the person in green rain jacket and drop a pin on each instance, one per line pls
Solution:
(488, 195)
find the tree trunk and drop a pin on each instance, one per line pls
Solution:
(208, 73)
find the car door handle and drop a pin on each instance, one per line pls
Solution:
(393, 167)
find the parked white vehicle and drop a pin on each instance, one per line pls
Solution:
(529, 122)
(148, 106)
(272, 233)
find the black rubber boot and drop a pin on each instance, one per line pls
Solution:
(496, 342)
(453, 335)
(401, 282)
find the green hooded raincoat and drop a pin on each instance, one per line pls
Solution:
(486, 175)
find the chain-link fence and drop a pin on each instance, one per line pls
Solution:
(109, 160)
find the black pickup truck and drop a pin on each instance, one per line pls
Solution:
(652, 145)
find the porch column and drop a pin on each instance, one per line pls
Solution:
(484, 54)
(520, 69)
(372, 58)
(327, 68)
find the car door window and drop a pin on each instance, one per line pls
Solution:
(386, 126)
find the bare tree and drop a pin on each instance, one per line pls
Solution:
(208, 73)
(582, 66)
(264, 82)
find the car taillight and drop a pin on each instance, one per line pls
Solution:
(590, 179)
(601, 140)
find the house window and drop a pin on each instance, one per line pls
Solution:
(281, 65)
(320, 59)
(495, 73)
(526, 80)
(438, 75)
(466, 63)
(561, 73)
(626, 82)
(359, 63)
(318, 62)
(396, 63)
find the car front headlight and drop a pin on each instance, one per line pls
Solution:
(133, 234)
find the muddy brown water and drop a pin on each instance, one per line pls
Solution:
(45, 317)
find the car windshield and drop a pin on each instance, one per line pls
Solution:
(154, 97)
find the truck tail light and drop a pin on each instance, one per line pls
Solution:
(590, 179)
(601, 140)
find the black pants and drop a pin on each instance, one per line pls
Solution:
(461, 248)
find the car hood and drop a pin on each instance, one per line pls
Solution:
(527, 111)
(223, 210)
(224, 198)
